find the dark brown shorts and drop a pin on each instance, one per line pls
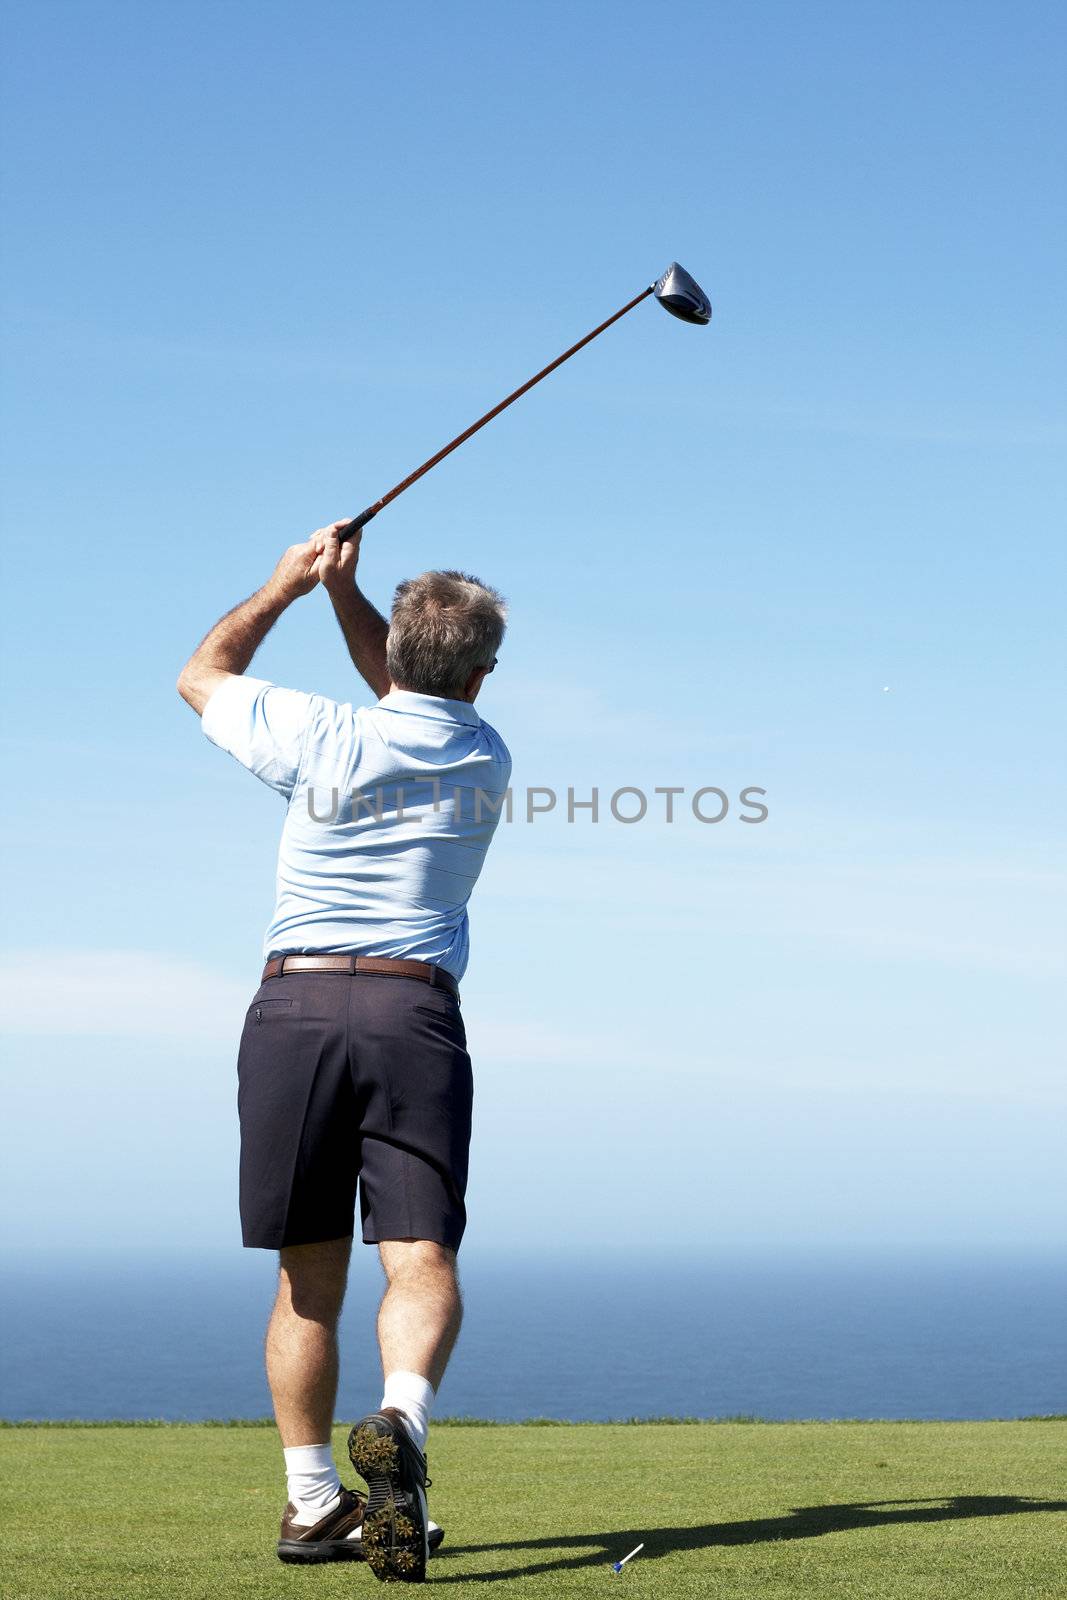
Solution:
(345, 1079)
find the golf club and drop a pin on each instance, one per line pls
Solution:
(676, 292)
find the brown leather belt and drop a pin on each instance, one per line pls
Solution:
(386, 966)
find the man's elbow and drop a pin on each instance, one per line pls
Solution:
(190, 690)
(197, 682)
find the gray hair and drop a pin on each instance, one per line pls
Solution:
(445, 625)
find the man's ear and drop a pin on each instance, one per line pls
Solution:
(474, 683)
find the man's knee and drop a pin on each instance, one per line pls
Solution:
(419, 1261)
(312, 1278)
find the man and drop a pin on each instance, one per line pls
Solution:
(353, 1061)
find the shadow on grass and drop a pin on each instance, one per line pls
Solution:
(803, 1522)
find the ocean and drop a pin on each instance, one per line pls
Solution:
(630, 1336)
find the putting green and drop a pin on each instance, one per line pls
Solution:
(901, 1511)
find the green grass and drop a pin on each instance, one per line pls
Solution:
(808, 1511)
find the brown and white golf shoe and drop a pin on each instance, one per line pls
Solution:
(336, 1537)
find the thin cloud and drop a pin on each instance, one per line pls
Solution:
(123, 993)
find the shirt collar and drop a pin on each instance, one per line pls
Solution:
(429, 705)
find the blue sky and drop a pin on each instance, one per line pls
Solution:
(260, 260)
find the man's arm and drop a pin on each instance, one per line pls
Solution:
(364, 627)
(229, 647)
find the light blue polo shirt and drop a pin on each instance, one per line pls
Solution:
(391, 809)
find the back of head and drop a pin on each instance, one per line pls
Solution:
(444, 627)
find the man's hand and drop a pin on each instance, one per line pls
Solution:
(297, 571)
(337, 562)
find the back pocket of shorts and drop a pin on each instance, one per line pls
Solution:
(268, 1010)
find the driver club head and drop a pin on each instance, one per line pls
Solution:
(682, 296)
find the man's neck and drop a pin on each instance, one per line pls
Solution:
(467, 699)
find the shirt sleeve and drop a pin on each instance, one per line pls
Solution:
(261, 726)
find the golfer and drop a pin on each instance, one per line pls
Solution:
(353, 1067)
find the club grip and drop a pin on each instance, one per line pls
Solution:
(357, 522)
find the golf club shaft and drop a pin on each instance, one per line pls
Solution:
(372, 511)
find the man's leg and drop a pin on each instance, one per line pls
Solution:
(417, 1087)
(421, 1309)
(418, 1322)
(302, 1339)
(302, 1370)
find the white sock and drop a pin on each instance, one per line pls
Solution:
(413, 1395)
(314, 1484)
